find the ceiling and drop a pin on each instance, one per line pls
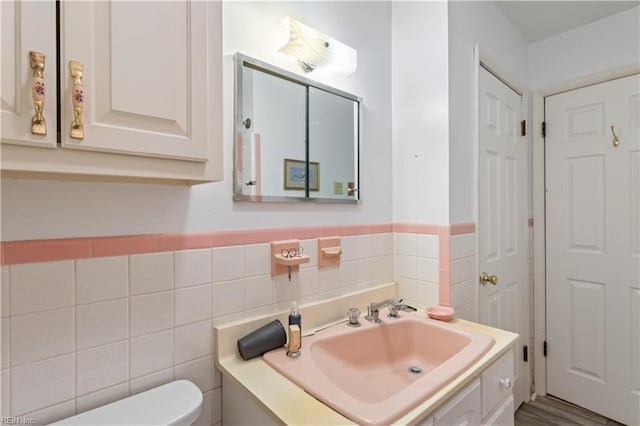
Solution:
(537, 20)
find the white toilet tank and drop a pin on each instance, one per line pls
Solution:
(176, 403)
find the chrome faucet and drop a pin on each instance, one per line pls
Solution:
(373, 309)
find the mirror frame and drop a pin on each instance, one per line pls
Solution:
(240, 61)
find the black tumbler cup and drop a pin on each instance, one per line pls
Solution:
(268, 337)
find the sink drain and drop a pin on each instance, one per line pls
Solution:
(414, 369)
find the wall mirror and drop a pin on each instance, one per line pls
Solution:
(295, 139)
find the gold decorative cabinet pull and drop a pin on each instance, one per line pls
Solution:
(77, 99)
(486, 278)
(616, 141)
(38, 123)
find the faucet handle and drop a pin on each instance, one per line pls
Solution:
(393, 311)
(394, 307)
(354, 314)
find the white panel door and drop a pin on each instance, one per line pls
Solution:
(593, 255)
(146, 76)
(27, 26)
(502, 220)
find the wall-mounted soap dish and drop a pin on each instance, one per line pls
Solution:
(329, 251)
(286, 256)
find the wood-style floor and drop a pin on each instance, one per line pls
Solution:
(547, 411)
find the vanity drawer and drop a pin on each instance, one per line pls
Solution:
(497, 382)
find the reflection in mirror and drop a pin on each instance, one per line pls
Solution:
(276, 113)
(333, 126)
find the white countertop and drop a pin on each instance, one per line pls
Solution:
(290, 404)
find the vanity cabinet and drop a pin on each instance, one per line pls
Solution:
(462, 409)
(149, 99)
(487, 400)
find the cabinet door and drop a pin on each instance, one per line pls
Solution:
(146, 76)
(497, 381)
(27, 26)
(461, 410)
(503, 415)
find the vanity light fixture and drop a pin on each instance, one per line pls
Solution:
(314, 50)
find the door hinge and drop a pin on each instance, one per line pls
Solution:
(523, 128)
(525, 353)
(544, 129)
(544, 348)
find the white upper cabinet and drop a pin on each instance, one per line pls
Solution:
(145, 105)
(27, 26)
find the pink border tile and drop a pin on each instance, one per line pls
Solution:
(275, 234)
(15, 252)
(306, 233)
(462, 228)
(232, 238)
(350, 230)
(171, 242)
(444, 243)
(128, 244)
(29, 251)
(401, 227)
(380, 228)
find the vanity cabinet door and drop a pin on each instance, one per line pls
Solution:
(146, 78)
(497, 382)
(461, 410)
(27, 26)
(503, 415)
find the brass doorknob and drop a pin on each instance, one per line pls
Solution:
(486, 278)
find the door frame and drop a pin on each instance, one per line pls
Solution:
(481, 58)
(539, 207)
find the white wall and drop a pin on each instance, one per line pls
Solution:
(420, 112)
(481, 23)
(604, 45)
(49, 209)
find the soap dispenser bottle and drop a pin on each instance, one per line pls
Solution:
(295, 327)
(294, 316)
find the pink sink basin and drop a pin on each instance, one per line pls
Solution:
(376, 373)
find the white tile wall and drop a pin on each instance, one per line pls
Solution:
(52, 413)
(150, 313)
(102, 278)
(41, 335)
(192, 267)
(428, 246)
(151, 353)
(102, 367)
(150, 381)
(41, 286)
(198, 371)
(228, 263)
(4, 291)
(104, 396)
(257, 259)
(43, 383)
(151, 272)
(192, 341)
(101, 323)
(78, 334)
(417, 267)
(5, 342)
(5, 395)
(463, 272)
(193, 304)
